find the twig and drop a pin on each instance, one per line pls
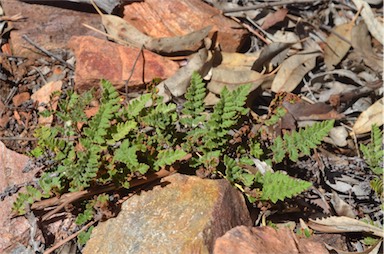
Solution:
(69, 238)
(68, 198)
(265, 5)
(141, 52)
(25, 37)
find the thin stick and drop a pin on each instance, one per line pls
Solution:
(132, 70)
(69, 238)
(25, 37)
(265, 5)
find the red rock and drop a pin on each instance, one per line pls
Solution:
(264, 240)
(48, 25)
(167, 18)
(18, 99)
(185, 214)
(100, 59)
(13, 230)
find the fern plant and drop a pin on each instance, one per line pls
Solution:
(108, 148)
(374, 154)
(300, 142)
(121, 142)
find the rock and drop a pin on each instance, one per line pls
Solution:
(264, 240)
(49, 24)
(97, 59)
(13, 231)
(185, 214)
(164, 18)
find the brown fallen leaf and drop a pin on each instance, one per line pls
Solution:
(178, 83)
(238, 61)
(43, 95)
(223, 77)
(302, 110)
(274, 18)
(374, 26)
(372, 115)
(343, 224)
(268, 53)
(374, 249)
(361, 41)
(124, 33)
(292, 71)
(336, 48)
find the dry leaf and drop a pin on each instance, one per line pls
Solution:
(374, 26)
(124, 33)
(274, 18)
(186, 42)
(341, 207)
(107, 6)
(336, 48)
(372, 115)
(43, 95)
(178, 83)
(343, 224)
(292, 71)
(361, 41)
(222, 77)
(374, 249)
(238, 60)
(268, 53)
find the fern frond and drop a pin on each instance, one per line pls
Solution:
(168, 157)
(110, 105)
(300, 142)
(278, 186)
(373, 152)
(234, 173)
(137, 105)
(194, 105)
(121, 131)
(127, 154)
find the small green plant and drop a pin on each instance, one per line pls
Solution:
(121, 142)
(374, 154)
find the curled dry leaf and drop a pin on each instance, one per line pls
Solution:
(374, 26)
(122, 32)
(373, 115)
(336, 48)
(343, 224)
(223, 77)
(178, 83)
(292, 71)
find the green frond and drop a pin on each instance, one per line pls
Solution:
(235, 173)
(168, 157)
(300, 142)
(373, 152)
(110, 105)
(121, 131)
(135, 106)
(278, 186)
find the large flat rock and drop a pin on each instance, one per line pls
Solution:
(185, 214)
(50, 24)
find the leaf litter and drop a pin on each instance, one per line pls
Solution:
(309, 83)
